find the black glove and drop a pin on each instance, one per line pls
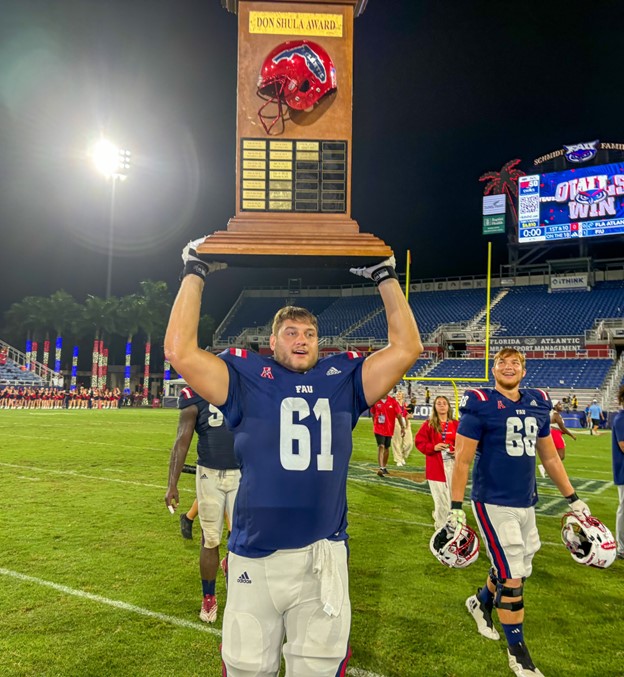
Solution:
(193, 265)
(378, 272)
(578, 507)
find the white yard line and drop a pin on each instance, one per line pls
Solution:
(544, 506)
(598, 472)
(74, 441)
(132, 608)
(604, 487)
(73, 473)
(117, 604)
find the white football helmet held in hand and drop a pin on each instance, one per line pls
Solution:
(455, 548)
(589, 541)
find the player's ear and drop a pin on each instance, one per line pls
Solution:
(272, 340)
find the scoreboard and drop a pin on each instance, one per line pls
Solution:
(580, 202)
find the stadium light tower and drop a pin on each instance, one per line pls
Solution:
(113, 163)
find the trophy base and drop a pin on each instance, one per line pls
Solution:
(302, 242)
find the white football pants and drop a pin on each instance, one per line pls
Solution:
(288, 594)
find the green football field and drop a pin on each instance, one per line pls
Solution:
(96, 580)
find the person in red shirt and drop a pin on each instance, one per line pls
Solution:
(385, 413)
(402, 440)
(436, 440)
(557, 430)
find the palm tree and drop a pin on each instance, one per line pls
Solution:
(155, 305)
(63, 311)
(128, 325)
(27, 317)
(79, 328)
(506, 182)
(100, 315)
(17, 321)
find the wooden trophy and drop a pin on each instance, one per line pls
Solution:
(294, 131)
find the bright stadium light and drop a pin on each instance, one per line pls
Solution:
(113, 163)
(110, 160)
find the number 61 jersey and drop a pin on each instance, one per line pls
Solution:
(507, 431)
(293, 439)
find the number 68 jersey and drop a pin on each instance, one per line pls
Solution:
(507, 432)
(293, 439)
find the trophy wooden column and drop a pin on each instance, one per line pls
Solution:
(293, 183)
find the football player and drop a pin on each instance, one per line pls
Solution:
(216, 480)
(502, 428)
(617, 453)
(292, 415)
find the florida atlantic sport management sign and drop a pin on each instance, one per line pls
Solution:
(541, 343)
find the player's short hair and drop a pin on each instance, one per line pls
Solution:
(621, 395)
(510, 352)
(292, 313)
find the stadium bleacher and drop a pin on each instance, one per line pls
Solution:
(13, 374)
(337, 315)
(541, 373)
(532, 311)
(345, 312)
(258, 311)
(357, 319)
(432, 310)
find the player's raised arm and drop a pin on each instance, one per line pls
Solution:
(383, 369)
(205, 373)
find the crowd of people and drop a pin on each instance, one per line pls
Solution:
(47, 397)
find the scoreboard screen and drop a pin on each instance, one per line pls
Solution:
(579, 202)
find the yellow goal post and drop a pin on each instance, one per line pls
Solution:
(485, 377)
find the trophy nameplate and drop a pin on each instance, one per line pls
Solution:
(293, 179)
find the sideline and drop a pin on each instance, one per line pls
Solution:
(124, 606)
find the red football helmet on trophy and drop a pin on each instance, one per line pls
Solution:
(298, 73)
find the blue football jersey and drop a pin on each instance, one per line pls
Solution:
(293, 438)
(617, 436)
(215, 443)
(507, 431)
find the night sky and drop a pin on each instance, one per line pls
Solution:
(443, 92)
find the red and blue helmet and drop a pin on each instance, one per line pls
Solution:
(297, 73)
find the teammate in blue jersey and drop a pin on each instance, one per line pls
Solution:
(292, 415)
(617, 454)
(216, 480)
(501, 428)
